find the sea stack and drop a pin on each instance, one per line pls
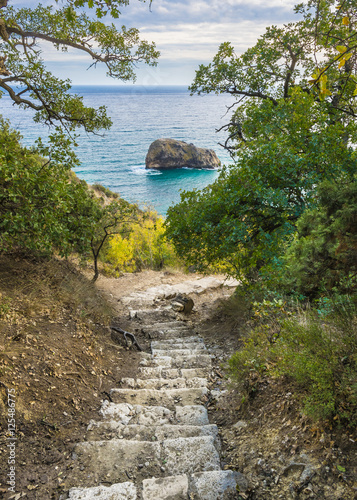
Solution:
(165, 154)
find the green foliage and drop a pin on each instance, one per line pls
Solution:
(42, 210)
(322, 258)
(43, 207)
(288, 134)
(21, 65)
(102, 7)
(320, 358)
(142, 246)
(107, 192)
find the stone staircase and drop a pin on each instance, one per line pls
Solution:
(154, 440)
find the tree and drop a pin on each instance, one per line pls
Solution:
(23, 73)
(113, 219)
(293, 126)
(44, 208)
(322, 258)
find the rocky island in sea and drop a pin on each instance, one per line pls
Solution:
(167, 154)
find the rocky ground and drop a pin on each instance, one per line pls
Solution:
(62, 363)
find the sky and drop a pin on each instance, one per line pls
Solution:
(186, 32)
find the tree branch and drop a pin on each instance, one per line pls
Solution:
(84, 46)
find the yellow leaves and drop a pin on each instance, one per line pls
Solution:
(324, 91)
(144, 246)
(345, 21)
(342, 52)
(320, 77)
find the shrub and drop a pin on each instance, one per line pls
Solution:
(143, 246)
(318, 357)
(321, 357)
(43, 210)
(322, 258)
(105, 190)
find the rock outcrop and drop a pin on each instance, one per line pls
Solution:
(166, 154)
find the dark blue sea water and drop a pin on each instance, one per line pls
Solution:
(140, 115)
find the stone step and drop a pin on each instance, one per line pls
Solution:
(164, 397)
(167, 373)
(99, 431)
(164, 325)
(213, 485)
(112, 461)
(217, 485)
(154, 415)
(186, 351)
(189, 361)
(152, 315)
(163, 383)
(122, 491)
(183, 340)
(167, 346)
(168, 334)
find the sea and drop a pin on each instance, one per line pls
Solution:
(140, 115)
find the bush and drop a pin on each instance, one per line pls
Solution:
(106, 191)
(322, 359)
(318, 357)
(143, 246)
(43, 209)
(322, 259)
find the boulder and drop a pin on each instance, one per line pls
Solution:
(166, 154)
(181, 303)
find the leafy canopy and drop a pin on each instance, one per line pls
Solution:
(44, 208)
(23, 74)
(293, 126)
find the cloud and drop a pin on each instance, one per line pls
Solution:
(201, 41)
(187, 33)
(171, 12)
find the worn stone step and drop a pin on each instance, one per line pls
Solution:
(215, 485)
(194, 339)
(186, 351)
(112, 461)
(154, 415)
(163, 383)
(164, 325)
(122, 491)
(211, 485)
(163, 397)
(196, 346)
(189, 361)
(151, 315)
(168, 334)
(166, 488)
(99, 431)
(167, 373)
(188, 455)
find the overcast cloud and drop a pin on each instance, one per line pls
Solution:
(187, 33)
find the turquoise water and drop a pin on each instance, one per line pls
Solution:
(140, 115)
